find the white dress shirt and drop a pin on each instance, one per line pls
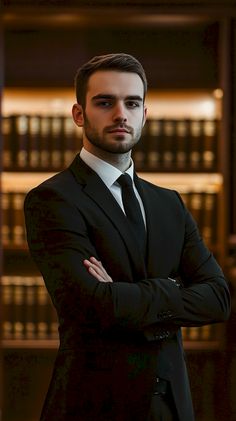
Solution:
(109, 175)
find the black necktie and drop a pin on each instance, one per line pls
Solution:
(133, 210)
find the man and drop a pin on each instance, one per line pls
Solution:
(121, 292)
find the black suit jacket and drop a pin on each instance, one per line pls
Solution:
(116, 338)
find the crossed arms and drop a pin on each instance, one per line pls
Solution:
(85, 294)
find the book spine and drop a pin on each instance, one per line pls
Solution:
(154, 135)
(56, 142)
(196, 146)
(169, 141)
(72, 142)
(34, 141)
(7, 302)
(13, 140)
(196, 207)
(6, 220)
(209, 220)
(29, 307)
(18, 230)
(182, 137)
(7, 143)
(210, 139)
(207, 333)
(69, 141)
(45, 139)
(18, 308)
(139, 150)
(22, 141)
(194, 334)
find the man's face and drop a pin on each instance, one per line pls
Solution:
(114, 112)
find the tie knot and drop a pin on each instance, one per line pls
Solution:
(125, 180)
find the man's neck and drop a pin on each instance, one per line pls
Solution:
(120, 161)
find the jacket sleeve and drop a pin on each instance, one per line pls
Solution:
(58, 238)
(203, 288)
(199, 295)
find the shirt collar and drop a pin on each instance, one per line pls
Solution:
(107, 172)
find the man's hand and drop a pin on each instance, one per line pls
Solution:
(95, 268)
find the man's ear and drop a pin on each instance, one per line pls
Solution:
(144, 115)
(78, 116)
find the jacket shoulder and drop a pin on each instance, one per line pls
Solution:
(163, 192)
(59, 182)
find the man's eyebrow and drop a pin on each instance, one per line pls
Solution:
(103, 96)
(134, 98)
(108, 96)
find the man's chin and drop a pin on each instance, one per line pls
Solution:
(120, 149)
(120, 146)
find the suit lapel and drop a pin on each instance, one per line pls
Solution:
(94, 187)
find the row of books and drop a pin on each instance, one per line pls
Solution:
(13, 222)
(202, 205)
(49, 143)
(204, 209)
(28, 312)
(201, 333)
(39, 143)
(178, 145)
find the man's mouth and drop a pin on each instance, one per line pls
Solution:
(118, 130)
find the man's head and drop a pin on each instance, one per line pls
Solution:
(110, 104)
(117, 62)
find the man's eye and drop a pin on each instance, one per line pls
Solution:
(132, 104)
(104, 104)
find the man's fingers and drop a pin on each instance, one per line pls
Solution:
(95, 262)
(93, 266)
(95, 274)
(96, 269)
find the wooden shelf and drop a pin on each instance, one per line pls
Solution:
(54, 344)
(30, 344)
(182, 181)
(202, 345)
(185, 182)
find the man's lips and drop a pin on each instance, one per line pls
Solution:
(118, 130)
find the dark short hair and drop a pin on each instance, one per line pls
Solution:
(120, 62)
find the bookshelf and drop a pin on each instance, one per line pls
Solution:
(182, 53)
(180, 135)
(175, 118)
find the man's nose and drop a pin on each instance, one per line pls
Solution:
(120, 112)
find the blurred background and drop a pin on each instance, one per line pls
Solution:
(188, 49)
